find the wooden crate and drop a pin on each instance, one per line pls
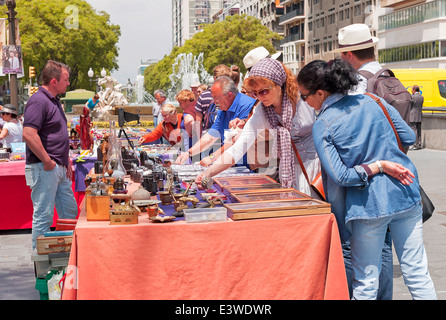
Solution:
(97, 208)
(46, 245)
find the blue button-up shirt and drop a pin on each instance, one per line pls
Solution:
(353, 130)
(240, 108)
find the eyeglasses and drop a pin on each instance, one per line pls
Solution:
(304, 97)
(261, 93)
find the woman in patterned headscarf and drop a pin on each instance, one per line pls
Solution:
(286, 119)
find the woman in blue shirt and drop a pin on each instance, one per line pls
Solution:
(370, 183)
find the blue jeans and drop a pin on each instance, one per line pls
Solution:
(385, 290)
(367, 240)
(49, 189)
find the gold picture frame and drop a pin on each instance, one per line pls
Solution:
(242, 181)
(281, 194)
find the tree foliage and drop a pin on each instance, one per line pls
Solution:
(50, 32)
(224, 42)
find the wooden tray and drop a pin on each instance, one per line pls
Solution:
(281, 194)
(273, 209)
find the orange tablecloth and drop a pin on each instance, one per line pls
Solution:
(279, 258)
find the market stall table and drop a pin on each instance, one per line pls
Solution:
(276, 258)
(17, 208)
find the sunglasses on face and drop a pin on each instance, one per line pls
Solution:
(261, 93)
(305, 96)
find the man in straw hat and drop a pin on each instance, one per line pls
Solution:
(257, 54)
(357, 47)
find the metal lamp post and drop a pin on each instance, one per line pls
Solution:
(90, 74)
(10, 4)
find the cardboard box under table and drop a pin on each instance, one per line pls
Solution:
(296, 257)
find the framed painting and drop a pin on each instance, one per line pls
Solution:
(269, 195)
(242, 181)
(272, 209)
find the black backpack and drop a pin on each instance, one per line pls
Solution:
(385, 85)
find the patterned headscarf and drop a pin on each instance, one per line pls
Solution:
(273, 70)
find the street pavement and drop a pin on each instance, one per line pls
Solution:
(17, 280)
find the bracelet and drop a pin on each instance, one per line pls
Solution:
(211, 156)
(380, 167)
(190, 153)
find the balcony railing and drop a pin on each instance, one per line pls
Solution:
(292, 38)
(292, 14)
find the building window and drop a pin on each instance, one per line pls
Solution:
(425, 50)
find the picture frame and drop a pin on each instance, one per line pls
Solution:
(249, 180)
(274, 209)
(281, 194)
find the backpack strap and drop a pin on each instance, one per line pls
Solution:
(367, 74)
(386, 113)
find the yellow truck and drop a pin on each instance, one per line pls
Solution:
(432, 83)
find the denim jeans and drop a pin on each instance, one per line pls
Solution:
(367, 240)
(49, 189)
(385, 290)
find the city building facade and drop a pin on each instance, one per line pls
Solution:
(413, 34)
(188, 16)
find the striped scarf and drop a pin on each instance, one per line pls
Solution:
(273, 70)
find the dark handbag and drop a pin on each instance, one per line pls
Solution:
(428, 206)
(316, 184)
(426, 203)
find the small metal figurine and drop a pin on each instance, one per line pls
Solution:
(119, 186)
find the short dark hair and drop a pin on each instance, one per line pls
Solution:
(52, 70)
(365, 54)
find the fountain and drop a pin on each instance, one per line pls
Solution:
(142, 97)
(186, 70)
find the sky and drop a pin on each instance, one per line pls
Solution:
(146, 32)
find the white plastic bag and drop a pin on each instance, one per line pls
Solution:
(54, 289)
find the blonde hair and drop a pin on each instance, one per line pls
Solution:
(185, 95)
(168, 108)
(290, 85)
(222, 70)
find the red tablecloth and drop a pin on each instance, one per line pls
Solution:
(16, 210)
(280, 258)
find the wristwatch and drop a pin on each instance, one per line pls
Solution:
(380, 167)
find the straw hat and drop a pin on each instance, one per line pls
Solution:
(257, 54)
(355, 37)
(9, 108)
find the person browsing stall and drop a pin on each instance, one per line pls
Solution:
(232, 105)
(284, 118)
(169, 128)
(371, 184)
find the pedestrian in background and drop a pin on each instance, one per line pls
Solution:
(416, 115)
